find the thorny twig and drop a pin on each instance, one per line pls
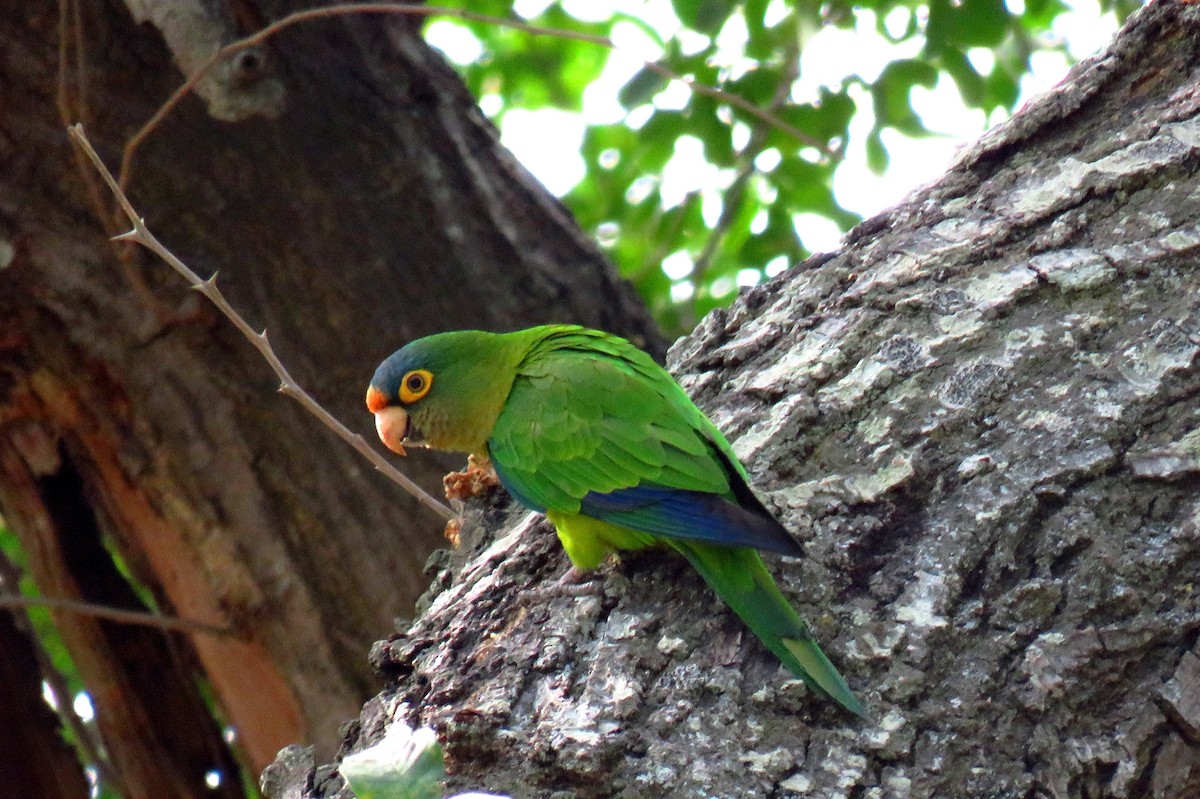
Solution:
(288, 386)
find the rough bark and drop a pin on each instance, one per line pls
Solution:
(981, 418)
(360, 200)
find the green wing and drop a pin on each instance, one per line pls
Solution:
(591, 413)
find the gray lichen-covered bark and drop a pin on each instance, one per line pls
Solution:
(981, 416)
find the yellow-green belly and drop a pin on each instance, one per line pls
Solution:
(589, 541)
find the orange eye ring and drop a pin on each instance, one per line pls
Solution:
(415, 384)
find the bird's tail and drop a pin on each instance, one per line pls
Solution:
(739, 577)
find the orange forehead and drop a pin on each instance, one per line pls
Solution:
(376, 400)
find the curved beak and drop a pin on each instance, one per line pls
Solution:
(392, 425)
(390, 422)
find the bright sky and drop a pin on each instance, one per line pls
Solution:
(548, 141)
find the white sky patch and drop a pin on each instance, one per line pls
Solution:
(683, 291)
(748, 277)
(759, 223)
(1085, 28)
(455, 41)
(688, 172)
(634, 48)
(691, 42)
(896, 21)
(678, 265)
(547, 142)
(711, 206)
(767, 160)
(833, 54)
(674, 97)
(731, 45)
(982, 59)
(722, 286)
(777, 11)
(819, 233)
(942, 110)
(491, 104)
(530, 8)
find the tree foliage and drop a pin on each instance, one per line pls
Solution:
(747, 222)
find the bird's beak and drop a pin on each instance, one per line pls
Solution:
(392, 426)
(390, 422)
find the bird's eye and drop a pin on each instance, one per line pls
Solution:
(415, 385)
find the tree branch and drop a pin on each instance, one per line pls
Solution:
(288, 386)
(431, 11)
(114, 614)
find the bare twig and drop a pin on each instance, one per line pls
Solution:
(258, 37)
(138, 617)
(288, 386)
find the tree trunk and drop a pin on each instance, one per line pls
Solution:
(351, 195)
(981, 418)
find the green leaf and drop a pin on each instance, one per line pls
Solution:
(891, 92)
(706, 16)
(877, 157)
(706, 124)
(406, 764)
(827, 120)
(1040, 14)
(641, 88)
(969, 23)
(970, 83)
(759, 85)
(656, 139)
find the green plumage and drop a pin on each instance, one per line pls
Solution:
(587, 428)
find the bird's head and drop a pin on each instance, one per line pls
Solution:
(442, 391)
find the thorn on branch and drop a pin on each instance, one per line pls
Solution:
(205, 286)
(143, 236)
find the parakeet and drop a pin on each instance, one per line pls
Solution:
(588, 429)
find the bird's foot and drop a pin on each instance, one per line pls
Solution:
(575, 583)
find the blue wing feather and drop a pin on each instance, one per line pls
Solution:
(689, 515)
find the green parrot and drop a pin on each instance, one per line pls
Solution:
(588, 429)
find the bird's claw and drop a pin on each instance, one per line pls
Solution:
(575, 584)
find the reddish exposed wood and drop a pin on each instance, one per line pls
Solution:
(148, 709)
(378, 206)
(258, 700)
